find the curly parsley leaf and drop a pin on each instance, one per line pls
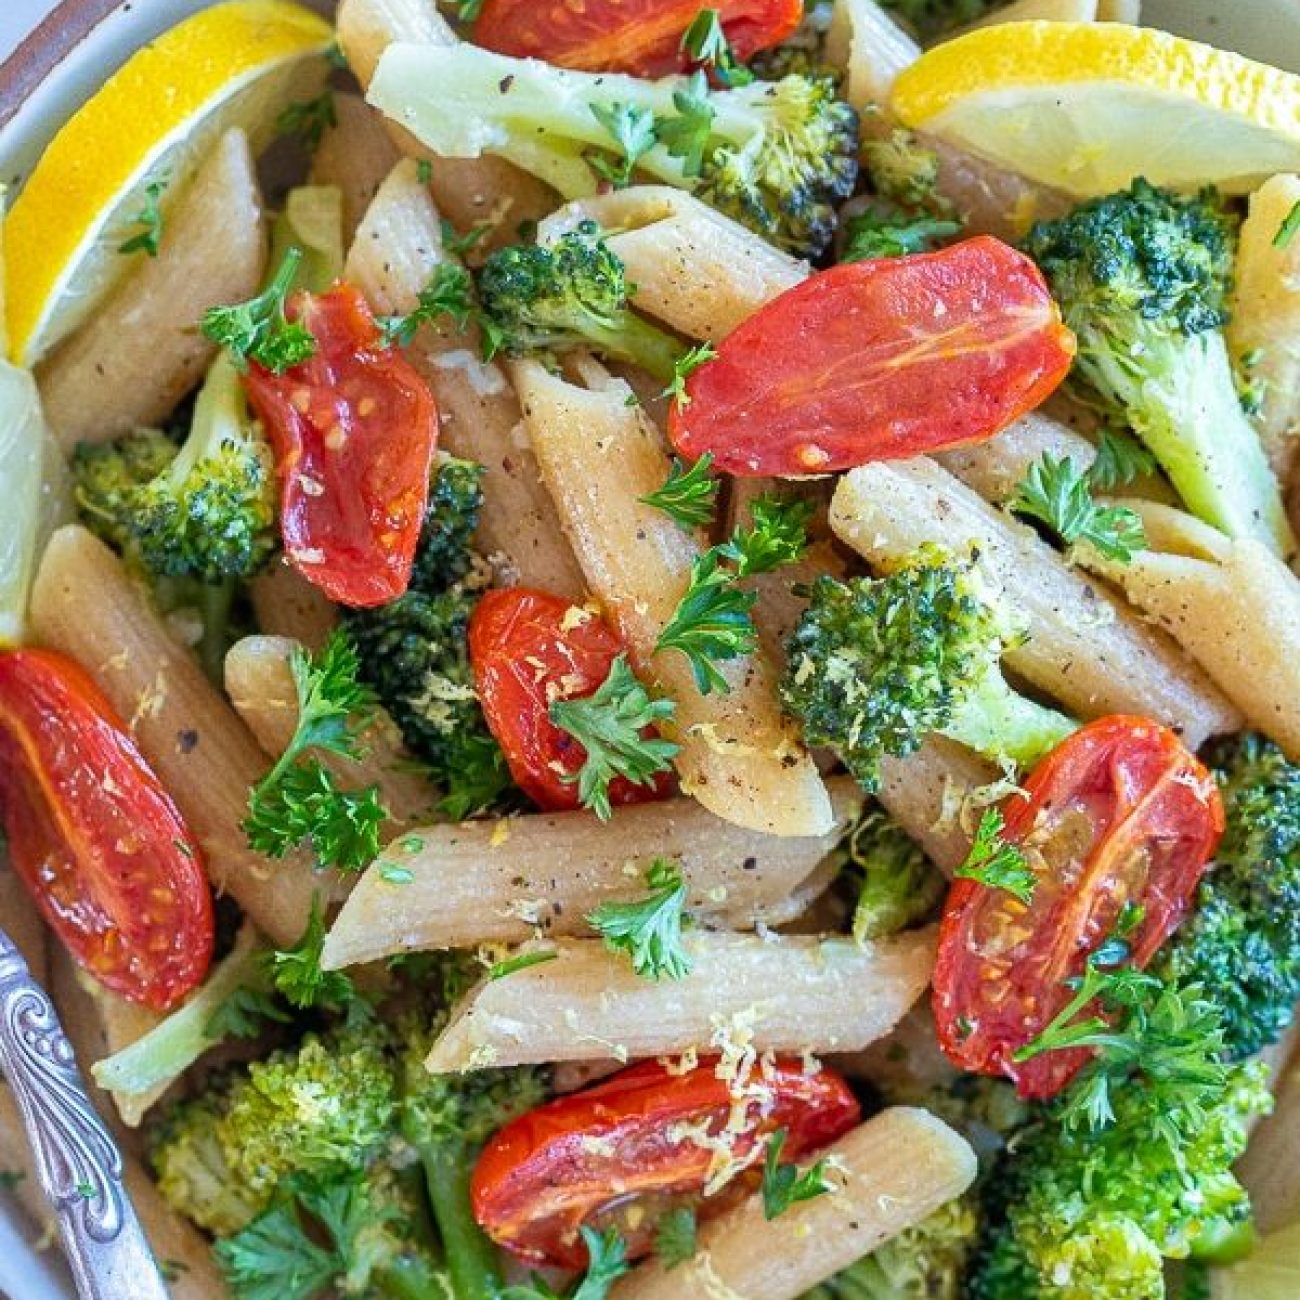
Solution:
(686, 135)
(606, 1263)
(455, 243)
(787, 1185)
(449, 292)
(258, 330)
(1121, 458)
(690, 496)
(884, 230)
(649, 929)
(150, 220)
(308, 119)
(779, 536)
(633, 131)
(675, 1239)
(995, 863)
(1055, 492)
(683, 368)
(296, 972)
(712, 623)
(609, 725)
(511, 965)
(705, 44)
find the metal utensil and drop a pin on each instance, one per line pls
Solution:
(79, 1165)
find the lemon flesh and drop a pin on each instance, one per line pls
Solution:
(1271, 1273)
(237, 64)
(1086, 107)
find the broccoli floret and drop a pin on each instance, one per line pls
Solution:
(107, 475)
(352, 1233)
(413, 651)
(924, 1262)
(877, 664)
(1243, 940)
(1142, 278)
(804, 52)
(778, 156)
(896, 884)
(443, 555)
(1130, 1166)
(572, 293)
(447, 1119)
(930, 19)
(904, 171)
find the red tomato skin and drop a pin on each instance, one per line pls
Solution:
(850, 366)
(642, 37)
(95, 838)
(1154, 810)
(524, 657)
(548, 1173)
(354, 430)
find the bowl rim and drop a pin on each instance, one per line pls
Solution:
(39, 54)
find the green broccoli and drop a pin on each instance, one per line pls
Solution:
(877, 664)
(896, 884)
(353, 1233)
(777, 156)
(804, 52)
(1243, 940)
(107, 475)
(1142, 277)
(414, 654)
(924, 1262)
(930, 19)
(447, 1119)
(572, 293)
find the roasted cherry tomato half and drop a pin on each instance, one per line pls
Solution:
(94, 836)
(1119, 813)
(354, 429)
(638, 36)
(878, 360)
(642, 1142)
(528, 649)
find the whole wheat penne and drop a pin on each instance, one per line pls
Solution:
(1084, 647)
(355, 154)
(84, 604)
(885, 1175)
(1270, 1169)
(141, 352)
(1263, 328)
(598, 457)
(260, 684)
(786, 994)
(929, 794)
(994, 468)
(286, 604)
(1231, 604)
(20, 919)
(506, 882)
(693, 268)
(471, 192)
(397, 249)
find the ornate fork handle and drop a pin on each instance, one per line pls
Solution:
(79, 1165)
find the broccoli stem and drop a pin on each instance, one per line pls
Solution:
(471, 1257)
(997, 721)
(409, 1278)
(639, 342)
(215, 601)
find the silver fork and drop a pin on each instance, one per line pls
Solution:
(79, 1165)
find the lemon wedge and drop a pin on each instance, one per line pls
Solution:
(1086, 107)
(1271, 1273)
(237, 64)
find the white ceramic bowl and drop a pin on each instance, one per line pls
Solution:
(83, 41)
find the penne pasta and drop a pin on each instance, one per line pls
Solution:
(286, 604)
(84, 604)
(260, 684)
(930, 793)
(693, 268)
(141, 351)
(885, 1175)
(543, 874)
(355, 154)
(598, 456)
(470, 192)
(1084, 647)
(787, 994)
(397, 249)
(871, 48)
(1232, 604)
(1263, 329)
